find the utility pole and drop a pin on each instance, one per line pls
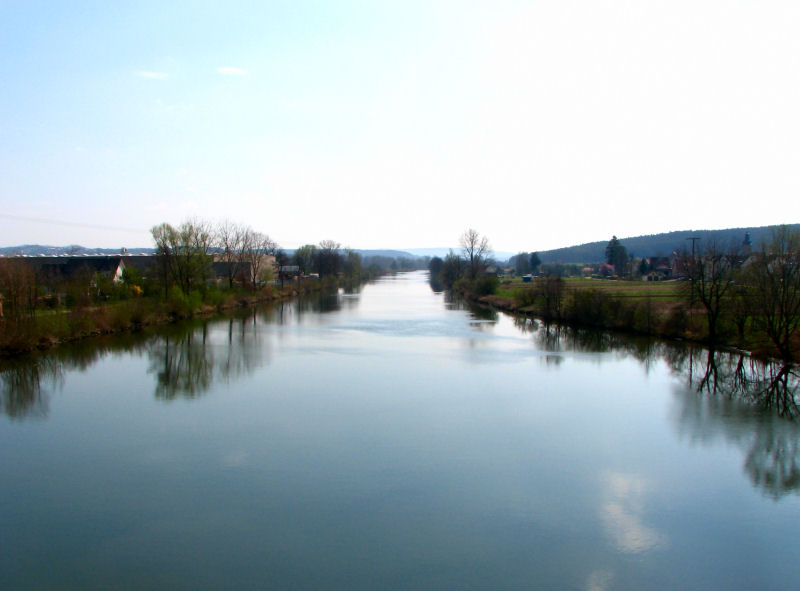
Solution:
(694, 239)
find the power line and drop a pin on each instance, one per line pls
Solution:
(70, 224)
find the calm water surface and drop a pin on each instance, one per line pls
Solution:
(392, 439)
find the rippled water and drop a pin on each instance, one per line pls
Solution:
(395, 439)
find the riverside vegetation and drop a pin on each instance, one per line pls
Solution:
(724, 296)
(197, 269)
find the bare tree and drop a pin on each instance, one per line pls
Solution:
(475, 250)
(233, 243)
(259, 252)
(550, 293)
(710, 281)
(773, 280)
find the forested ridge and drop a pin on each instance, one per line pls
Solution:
(656, 244)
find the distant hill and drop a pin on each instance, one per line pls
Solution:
(657, 244)
(389, 254)
(443, 252)
(366, 253)
(429, 252)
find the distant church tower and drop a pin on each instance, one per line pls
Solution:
(747, 245)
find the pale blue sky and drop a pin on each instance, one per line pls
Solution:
(398, 124)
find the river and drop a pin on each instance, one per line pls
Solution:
(394, 438)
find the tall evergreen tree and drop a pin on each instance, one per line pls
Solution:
(616, 255)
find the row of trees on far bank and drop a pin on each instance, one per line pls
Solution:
(185, 254)
(327, 258)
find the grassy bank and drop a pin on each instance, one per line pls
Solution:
(48, 328)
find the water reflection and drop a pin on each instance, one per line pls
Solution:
(746, 402)
(623, 513)
(481, 317)
(25, 387)
(315, 307)
(181, 356)
(436, 285)
(722, 394)
(558, 339)
(187, 360)
(767, 385)
(729, 394)
(28, 382)
(580, 477)
(183, 365)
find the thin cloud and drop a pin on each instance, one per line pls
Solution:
(152, 75)
(231, 71)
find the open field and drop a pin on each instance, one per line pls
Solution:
(662, 291)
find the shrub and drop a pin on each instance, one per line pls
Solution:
(485, 285)
(676, 322)
(216, 298)
(180, 304)
(588, 307)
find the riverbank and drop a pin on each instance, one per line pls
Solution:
(49, 329)
(660, 316)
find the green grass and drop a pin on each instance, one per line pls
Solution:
(666, 291)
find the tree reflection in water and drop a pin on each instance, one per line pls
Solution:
(28, 382)
(436, 285)
(187, 360)
(480, 314)
(183, 365)
(313, 307)
(555, 338)
(751, 403)
(26, 386)
(764, 384)
(747, 402)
